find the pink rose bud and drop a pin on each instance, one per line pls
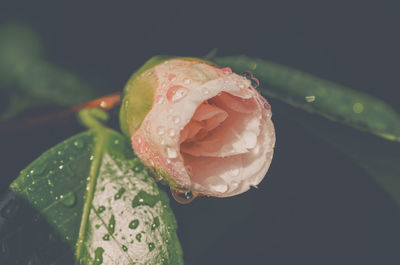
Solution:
(200, 128)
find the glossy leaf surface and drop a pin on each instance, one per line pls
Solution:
(87, 199)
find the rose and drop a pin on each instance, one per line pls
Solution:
(200, 128)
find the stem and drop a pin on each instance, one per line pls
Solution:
(107, 102)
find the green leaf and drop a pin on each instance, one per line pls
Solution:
(313, 94)
(30, 80)
(87, 199)
(378, 157)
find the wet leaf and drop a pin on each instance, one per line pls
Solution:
(87, 199)
(313, 94)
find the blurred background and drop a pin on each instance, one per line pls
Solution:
(315, 206)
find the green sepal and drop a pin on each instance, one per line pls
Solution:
(138, 94)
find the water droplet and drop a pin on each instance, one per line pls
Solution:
(116, 141)
(59, 153)
(143, 198)
(310, 98)
(234, 172)
(118, 195)
(160, 130)
(68, 199)
(176, 119)
(171, 132)
(98, 256)
(220, 188)
(226, 70)
(171, 153)
(78, 143)
(256, 150)
(151, 246)
(38, 170)
(91, 157)
(111, 224)
(155, 224)
(106, 237)
(250, 139)
(159, 99)
(172, 77)
(183, 197)
(124, 248)
(205, 91)
(101, 209)
(61, 167)
(255, 82)
(247, 74)
(176, 93)
(138, 237)
(187, 81)
(134, 224)
(138, 166)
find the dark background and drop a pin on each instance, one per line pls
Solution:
(315, 206)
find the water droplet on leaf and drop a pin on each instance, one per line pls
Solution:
(118, 195)
(134, 224)
(98, 256)
(68, 199)
(151, 246)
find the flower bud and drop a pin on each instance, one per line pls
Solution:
(199, 127)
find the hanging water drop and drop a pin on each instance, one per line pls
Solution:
(183, 197)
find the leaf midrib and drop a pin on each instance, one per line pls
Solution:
(98, 153)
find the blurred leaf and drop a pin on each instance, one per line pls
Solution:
(28, 79)
(313, 94)
(378, 157)
(88, 197)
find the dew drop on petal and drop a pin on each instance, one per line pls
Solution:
(172, 77)
(171, 153)
(159, 99)
(171, 132)
(205, 91)
(176, 119)
(220, 188)
(234, 172)
(176, 93)
(250, 139)
(160, 130)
